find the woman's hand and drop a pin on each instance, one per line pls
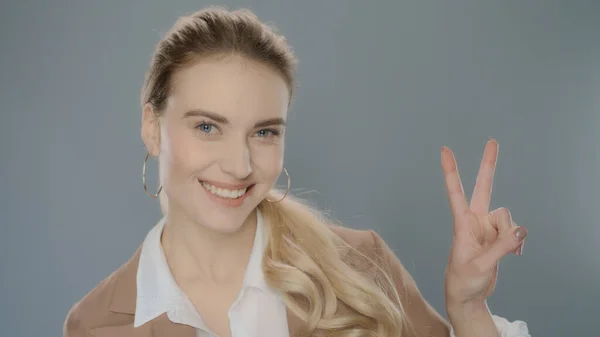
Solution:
(481, 238)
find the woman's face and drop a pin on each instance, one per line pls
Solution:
(220, 140)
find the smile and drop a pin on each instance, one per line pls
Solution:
(225, 193)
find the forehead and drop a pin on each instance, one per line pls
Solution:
(233, 86)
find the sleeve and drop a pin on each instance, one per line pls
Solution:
(507, 328)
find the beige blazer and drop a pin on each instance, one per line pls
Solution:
(108, 310)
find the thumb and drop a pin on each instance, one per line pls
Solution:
(506, 243)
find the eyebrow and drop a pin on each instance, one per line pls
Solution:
(223, 120)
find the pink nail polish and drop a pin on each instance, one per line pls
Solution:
(521, 249)
(520, 233)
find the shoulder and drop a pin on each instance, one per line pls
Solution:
(363, 249)
(365, 241)
(366, 252)
(86, 312)
(93, 309)
(356, 238)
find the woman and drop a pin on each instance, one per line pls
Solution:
(232, 257)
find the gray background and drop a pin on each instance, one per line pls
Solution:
(382, 87)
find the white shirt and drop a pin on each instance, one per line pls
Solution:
(258, 310)
(158, 293)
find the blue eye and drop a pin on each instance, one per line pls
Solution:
(263, 133)
(204, 127)
(267, 133)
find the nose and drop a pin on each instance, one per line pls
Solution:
(236, 160)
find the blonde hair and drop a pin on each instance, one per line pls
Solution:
(302, 259)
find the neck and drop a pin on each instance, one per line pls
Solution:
(199, 255)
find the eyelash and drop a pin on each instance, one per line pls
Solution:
(274, 132)
(201, 124)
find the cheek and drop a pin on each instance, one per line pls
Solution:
(268, 161)
(181, 154)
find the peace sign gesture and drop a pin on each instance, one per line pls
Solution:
(481, 238)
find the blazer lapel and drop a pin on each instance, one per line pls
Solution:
(122, 331)
(163, 327)
(158, 327)
(294, 323)
(125, 292)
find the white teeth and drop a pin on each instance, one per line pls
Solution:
(224, 193)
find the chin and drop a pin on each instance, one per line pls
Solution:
(222, 223)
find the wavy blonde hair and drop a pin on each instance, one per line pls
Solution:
(302, 259)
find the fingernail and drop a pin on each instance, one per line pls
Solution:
(520, 233)
(521, 249)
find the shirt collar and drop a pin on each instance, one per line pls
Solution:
(157, 291)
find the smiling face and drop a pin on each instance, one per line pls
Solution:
(220, 140)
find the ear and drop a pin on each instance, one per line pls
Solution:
(151, 129)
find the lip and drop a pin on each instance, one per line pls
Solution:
(225, 185)
(227, 201)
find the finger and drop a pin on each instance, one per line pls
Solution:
(482, 193)
(501, 219)
(506, 243)
(456, 195)
(519, 250)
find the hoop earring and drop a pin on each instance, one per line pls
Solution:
(144, 179)
(286, 191)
